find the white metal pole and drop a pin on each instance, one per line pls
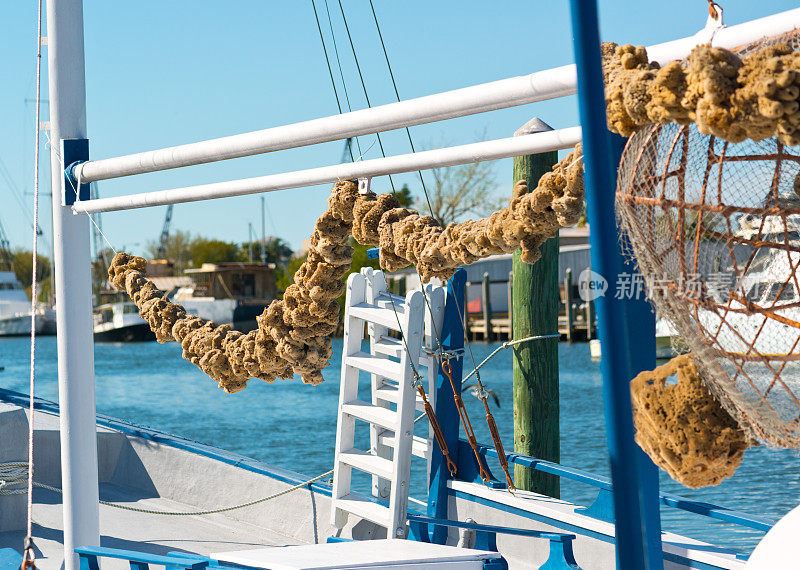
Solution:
(79, 479)
(539, 86)
(464, 154)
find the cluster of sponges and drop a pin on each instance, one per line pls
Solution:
(406, 238)
(293, 334)
(732, 97)
(683, 429)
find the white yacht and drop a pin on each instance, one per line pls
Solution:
(15, 308)
(120, 322)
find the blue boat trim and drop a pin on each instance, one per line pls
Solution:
(89, 554)
(700, 508)
(570, 528)
(676, 501)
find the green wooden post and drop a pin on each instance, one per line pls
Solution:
(569, 302)
(486, 305)
(535, 307)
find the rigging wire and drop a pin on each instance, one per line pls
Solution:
(330, 70)
(4, 172)
(29, 555)
(397, 94)
(339, 65)
(364, 86)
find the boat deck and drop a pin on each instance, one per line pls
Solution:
(155, 534)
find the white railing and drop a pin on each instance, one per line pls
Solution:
(476, 152)
(539, 86)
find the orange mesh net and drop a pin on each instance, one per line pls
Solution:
(715, 229)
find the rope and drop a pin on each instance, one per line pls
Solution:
(13, 473)
(17, 471)
(363, 85)
(75, 191)
(29, 556)
(339, 64)
(397, 93)
(507, 344)
(462, 413)
(330, 69)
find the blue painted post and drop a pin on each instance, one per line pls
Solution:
(641, 341)
(601, 157)
(452, 338)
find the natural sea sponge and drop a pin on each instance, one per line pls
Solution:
(293, 334)
(732, 97)
(683, 429)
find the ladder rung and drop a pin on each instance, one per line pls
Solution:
(389, 346)
(364, 461)
(394, 347)
(420, 446)
(374, 314)
(390, 393)
(364, 508)
(372, 414)
(375, 365)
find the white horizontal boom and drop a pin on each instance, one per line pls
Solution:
(539, 86)
(476, 152)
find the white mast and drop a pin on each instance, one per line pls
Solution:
(72, 286)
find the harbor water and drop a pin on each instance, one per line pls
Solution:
(292, 425)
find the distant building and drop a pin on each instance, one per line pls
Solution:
(573, 254)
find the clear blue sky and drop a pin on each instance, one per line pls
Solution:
(166, 73)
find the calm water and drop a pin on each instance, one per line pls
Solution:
(292, 425)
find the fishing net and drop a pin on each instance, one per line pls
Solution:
(714, 227)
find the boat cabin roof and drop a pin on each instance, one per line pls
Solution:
(221, 267)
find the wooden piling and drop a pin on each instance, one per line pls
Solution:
(510, 305)
(535, 312)
(486, 305)
(568, 305)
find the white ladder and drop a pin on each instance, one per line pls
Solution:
(391, 363)
(427, 365)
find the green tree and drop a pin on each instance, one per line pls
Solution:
(178, 250)
(276, 249)
(204, 250)
(462, 191)
(23, 269)
(404, 197)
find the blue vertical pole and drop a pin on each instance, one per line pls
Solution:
(640, 336)
(601, 157)
(452, 338)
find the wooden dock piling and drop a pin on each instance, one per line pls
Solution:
(535, 312)
(568, 305)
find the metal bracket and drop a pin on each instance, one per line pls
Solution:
(364, 185)
(74, 152)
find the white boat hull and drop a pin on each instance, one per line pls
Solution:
(20, 324)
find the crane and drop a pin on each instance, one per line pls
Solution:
(162, 242)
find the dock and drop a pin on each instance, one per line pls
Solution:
(576, 318)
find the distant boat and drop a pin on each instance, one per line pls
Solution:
(15, 308)
(120, 322)
(226, 293)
